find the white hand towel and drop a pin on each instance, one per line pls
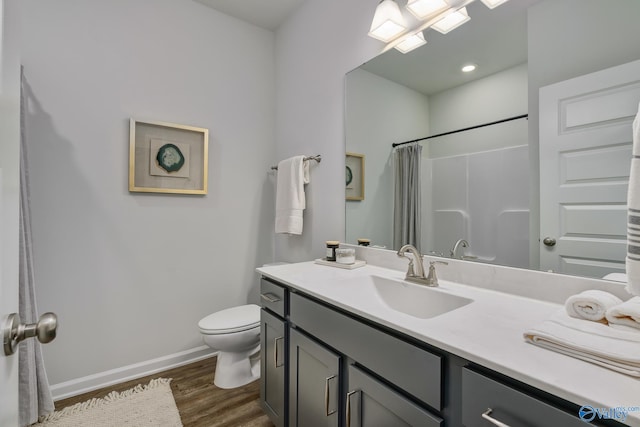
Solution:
(293, 173)
(591, 305)
(589, 341)
(627, 313)
(633, 203)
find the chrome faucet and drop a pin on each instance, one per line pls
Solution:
(454, 251)
(415, 272)
(417, 275)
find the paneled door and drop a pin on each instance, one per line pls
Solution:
(585, 157)
(9, 193)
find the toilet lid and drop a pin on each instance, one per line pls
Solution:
(234, 319)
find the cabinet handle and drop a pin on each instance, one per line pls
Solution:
(348, 415)
(276, 352)
(327, 396)
(269, 297)
(486, 416)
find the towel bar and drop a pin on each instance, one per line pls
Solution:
(317, 158)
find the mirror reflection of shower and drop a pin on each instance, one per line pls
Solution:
(475, 189)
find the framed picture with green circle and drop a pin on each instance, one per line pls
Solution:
(167, 158)
(354, 176)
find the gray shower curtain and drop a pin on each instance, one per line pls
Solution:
(407, 198)
(34, 394)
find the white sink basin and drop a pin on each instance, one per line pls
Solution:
(415, 300)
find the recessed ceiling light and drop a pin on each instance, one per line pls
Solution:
(469, 68)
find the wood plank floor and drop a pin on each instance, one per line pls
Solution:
(199, 401)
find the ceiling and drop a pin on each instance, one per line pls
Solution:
(268, 14)
(493, 39)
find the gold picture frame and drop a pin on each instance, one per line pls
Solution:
(167, 158)
(354, 179)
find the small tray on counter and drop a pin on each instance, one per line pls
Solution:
(357, 264)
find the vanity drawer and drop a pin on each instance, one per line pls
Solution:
(508, 405)
(412, 369)
(273, 297)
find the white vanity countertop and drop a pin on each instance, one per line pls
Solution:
(488, 331)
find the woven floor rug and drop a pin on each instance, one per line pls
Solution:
(143, 405)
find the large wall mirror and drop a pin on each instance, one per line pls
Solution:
(482, 185)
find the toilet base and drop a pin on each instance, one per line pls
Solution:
(237, 369)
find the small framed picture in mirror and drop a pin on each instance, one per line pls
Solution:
(354, 176)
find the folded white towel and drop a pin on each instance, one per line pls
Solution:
(627, 313)
(633, 225)
(293, 173)
(591, 305)
(589, 341)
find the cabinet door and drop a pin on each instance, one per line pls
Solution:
(273, 368)
(313, 383)
(369, 403)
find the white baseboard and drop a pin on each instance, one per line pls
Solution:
(126, 373)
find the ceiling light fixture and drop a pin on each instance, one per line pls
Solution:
(452, 21)
(411, 42)
(388, 22)
(492, 4)
(422, 9)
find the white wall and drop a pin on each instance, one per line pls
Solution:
(379, 112)
(495, 97)
(315, 48)
(130, 274)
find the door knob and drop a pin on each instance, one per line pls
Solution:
(15, 331)
(549, 241)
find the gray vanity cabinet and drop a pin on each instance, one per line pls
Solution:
(345, 371)
(314, 378)
(378, 399)
(274, 345)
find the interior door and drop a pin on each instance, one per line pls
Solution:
(585, 147)
(9, 193)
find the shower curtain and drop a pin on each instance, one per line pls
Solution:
(34, 394)
(406, 207)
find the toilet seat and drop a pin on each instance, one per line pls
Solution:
(230, 320)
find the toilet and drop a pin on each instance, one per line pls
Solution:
(235, 334)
